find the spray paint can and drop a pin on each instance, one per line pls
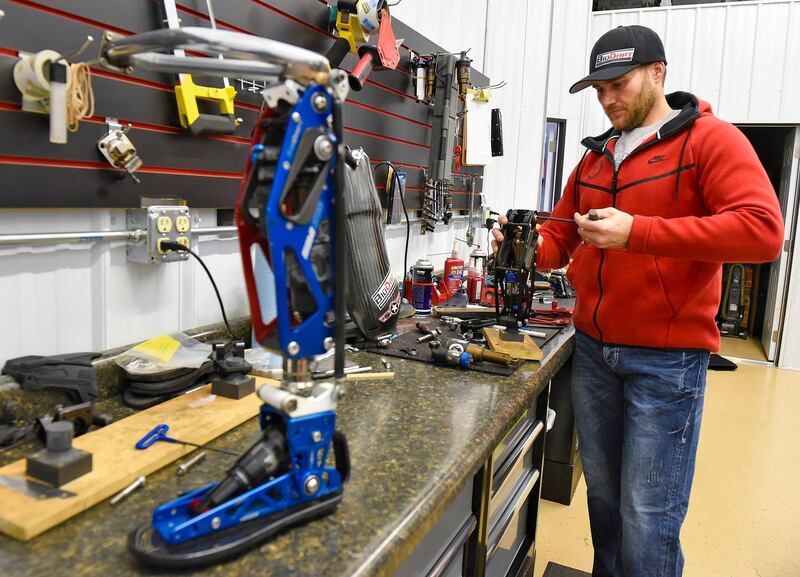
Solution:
(422, 287)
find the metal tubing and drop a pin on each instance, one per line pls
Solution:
(96, 236)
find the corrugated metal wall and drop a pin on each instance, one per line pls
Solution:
(740, 57)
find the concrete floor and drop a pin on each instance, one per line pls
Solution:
(744, 513)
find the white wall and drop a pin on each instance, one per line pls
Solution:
(86, 296)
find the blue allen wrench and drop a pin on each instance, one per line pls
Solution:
(159, 433)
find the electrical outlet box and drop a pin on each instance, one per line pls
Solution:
(158, 224)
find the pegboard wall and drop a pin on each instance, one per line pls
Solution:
(384, 118)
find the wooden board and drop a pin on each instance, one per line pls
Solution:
(526, 350)
(117, 462)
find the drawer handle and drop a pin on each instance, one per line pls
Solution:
(511, 511)
(499, 477)
(452, 550)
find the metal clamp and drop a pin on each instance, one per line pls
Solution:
(118, 149)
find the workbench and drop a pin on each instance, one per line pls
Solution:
(431, 454)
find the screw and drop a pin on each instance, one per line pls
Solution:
(323, 148)
(316, 436)
(311, 485)
(184, 467)
(215, 523)
(296, 116)
(328, 343)
(127, 490)
(293, 348)
(319, 102)
(386, 364)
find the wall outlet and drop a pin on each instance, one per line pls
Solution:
(158, 224)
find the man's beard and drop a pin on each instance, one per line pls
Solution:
(641, 107)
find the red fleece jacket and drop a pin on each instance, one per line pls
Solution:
(699, 197)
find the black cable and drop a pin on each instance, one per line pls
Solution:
(171, 245)
(396, 179)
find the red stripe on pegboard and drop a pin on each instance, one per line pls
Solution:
(386, 113)
(384, 137)
(84, 165)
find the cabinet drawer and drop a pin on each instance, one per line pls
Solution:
(451, 563)
(510, 473)
(508, 535)
(512, 438)
(440, 536)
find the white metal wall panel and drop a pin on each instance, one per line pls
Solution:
(568, 62)
(454, 25)
(532, 112)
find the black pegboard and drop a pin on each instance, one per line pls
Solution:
(384, 117)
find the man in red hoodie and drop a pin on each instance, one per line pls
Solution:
(676, 192)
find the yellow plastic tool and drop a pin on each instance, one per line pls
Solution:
(187, 94)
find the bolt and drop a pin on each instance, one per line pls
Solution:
(319, 102)
(128, 490)
(386, 364)
(296, 116)
(328, 343)
(316, 436)
(311, 485)
(216, 522)
(323, 148)
(293, 348)
(184, 467)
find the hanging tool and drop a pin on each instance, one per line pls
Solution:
(356, 21)
(159, 433)
(286, 212)
(187, 93)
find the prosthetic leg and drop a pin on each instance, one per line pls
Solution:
(285, 212)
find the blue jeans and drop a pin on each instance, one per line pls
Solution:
(638, 413)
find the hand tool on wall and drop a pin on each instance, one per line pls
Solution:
(187, 93)
(286, 215)
(355, 22)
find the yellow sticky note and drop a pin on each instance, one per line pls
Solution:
(162, 348)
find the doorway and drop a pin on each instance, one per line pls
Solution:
(757, 293)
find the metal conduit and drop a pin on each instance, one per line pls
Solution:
(97, 236)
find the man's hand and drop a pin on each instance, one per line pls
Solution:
(498, 235)
(612, 230)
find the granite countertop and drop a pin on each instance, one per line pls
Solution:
(414, 442)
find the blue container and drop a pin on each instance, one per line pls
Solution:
(422, 287)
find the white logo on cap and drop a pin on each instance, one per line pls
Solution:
(625, 55)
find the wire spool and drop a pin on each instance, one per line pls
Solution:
(32, 75)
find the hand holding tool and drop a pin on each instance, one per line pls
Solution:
(159, 433)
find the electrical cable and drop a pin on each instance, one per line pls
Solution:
(80, 95)
(396, 179)
(171, 245)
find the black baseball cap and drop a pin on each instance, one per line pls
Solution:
(619, 51)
